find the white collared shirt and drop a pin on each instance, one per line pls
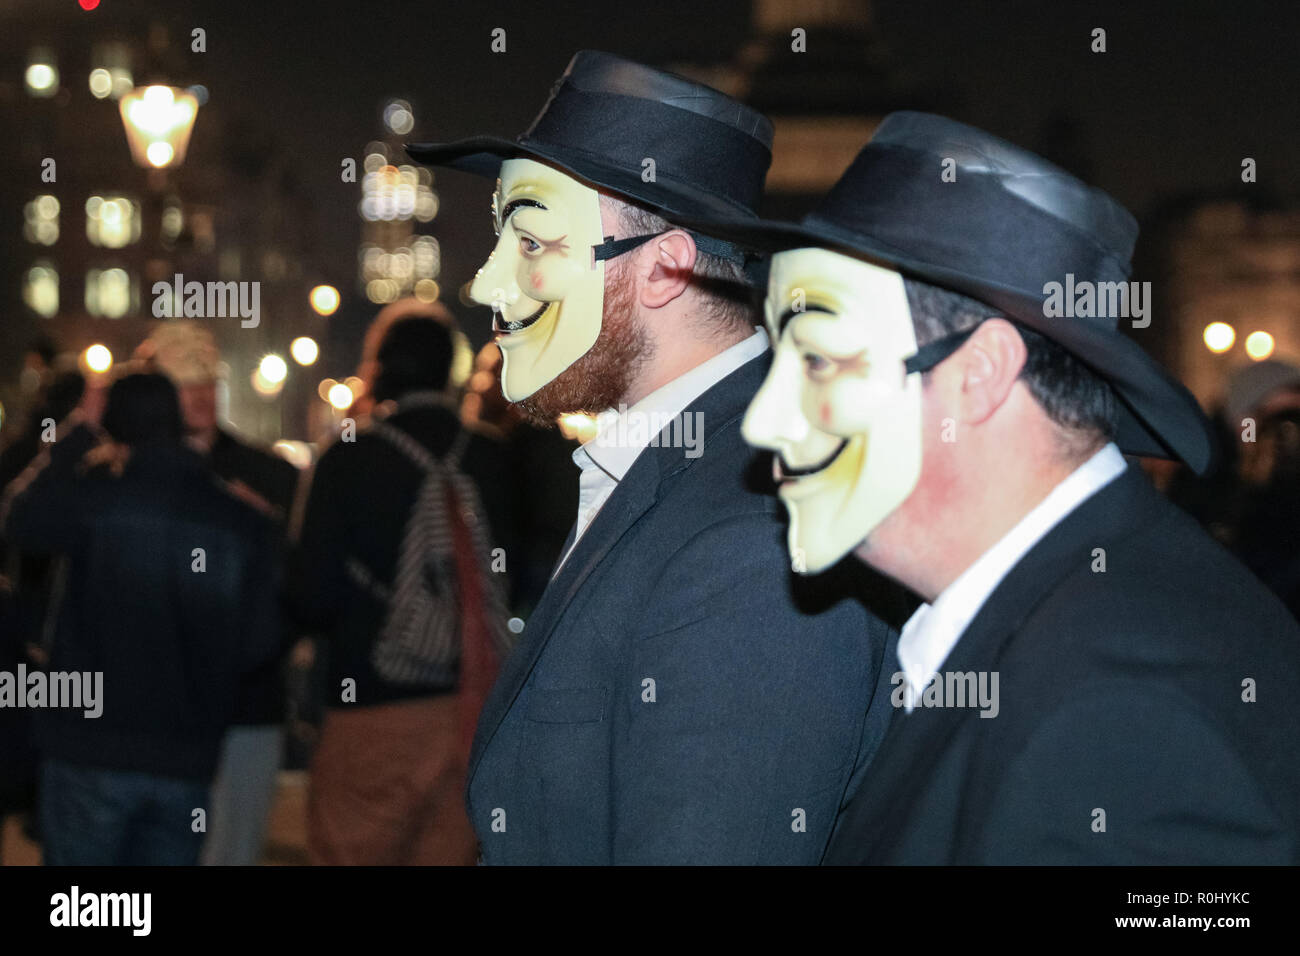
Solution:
(624, 433)
(933, 630)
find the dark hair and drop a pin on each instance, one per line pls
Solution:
(143, 409)
(63, 394)
(1075, 398)
(414, 355)
(45, 347)
(729, 295)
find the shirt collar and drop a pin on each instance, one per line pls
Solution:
(623, 433)
(934, 629)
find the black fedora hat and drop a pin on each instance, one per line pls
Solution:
(607, 115)
(1000, 226)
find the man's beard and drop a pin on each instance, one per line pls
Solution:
(602, 376)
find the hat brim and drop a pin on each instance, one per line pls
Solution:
(1157, 416)
(674, 198)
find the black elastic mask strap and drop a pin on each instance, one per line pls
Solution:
(612, 247)
(931, 354)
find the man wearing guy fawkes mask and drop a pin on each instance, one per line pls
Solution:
(1080, 685)
(678, 695)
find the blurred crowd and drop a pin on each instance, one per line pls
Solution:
(247, 617)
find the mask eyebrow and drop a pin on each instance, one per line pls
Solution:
(514, 204)
(789, 314)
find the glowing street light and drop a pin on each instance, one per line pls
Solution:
(304, 350)
(340, 396)
(272, 368)
(98, 358)
(324, 299)
(42, 79)
(158, 121)
(1259, 345)
(1219, 336)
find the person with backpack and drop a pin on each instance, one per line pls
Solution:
(398, 568)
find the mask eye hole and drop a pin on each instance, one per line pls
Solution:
(818, 368)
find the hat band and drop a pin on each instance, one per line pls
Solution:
(626, 131)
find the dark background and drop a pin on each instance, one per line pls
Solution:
(1164, 117)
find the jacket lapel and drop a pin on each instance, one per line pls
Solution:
(635, 495)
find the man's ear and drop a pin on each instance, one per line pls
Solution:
(989, 363)
(671, 259)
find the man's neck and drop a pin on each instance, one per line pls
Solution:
(940, 539)
(673, 360)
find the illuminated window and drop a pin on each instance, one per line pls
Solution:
(112, 221)
(41, 220)
(428, 257)
(173, 221)
(398, 117)
(41, 288)
(42, 76)
(111, 75)
(109, 293)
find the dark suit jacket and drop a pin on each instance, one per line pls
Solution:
(1120, 691)
(672, 699)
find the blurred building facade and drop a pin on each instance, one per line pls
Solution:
(1226, 278)
(79, 255)
(824, 108)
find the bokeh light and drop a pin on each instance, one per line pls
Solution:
(324, 299)
(160, 154)
(42, 79)
(304, 350)
(98, 358)
(1219, 336)
(273, 368)
(101, 83)
(1259, 345)
(398, 117)
(340, 396)
(577, 426)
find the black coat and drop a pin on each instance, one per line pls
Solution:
(171, 636)
(1121, 692)
(261, 692)
(674, 699)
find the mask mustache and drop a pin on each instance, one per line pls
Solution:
(503, 325)
(785, 471)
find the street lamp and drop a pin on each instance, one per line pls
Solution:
(158, 121)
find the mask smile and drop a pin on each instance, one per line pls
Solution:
(786, 474)
(502, 326)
